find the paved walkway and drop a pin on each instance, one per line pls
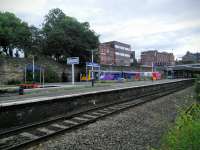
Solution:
(67, 90)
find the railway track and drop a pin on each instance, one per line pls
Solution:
(32, 134)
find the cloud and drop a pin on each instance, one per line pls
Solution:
(23, 6)
(145, 24)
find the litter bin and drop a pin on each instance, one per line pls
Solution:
(21, 90)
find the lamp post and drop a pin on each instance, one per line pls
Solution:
(25, 74)
(92, 59)
(92, 64)
(33, 69)
(93, 50)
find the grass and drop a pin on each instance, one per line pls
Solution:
(197, 89)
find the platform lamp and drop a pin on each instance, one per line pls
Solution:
(33, 68)
(93, 50)
(25, 74)
(92, 64)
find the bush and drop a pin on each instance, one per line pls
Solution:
(197, 88)
(186, 133)
(51, 76)
(13, 82)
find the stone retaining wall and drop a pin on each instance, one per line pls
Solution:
(13, 68)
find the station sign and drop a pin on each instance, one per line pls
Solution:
(72, 60)
(90, 64)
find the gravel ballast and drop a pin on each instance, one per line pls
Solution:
(136, 128)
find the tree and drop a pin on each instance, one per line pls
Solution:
(14, 34)
(36, 43)
(64, 36)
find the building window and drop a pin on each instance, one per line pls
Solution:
(122, 48)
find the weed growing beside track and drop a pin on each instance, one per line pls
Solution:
(185, 135)
(197, 89)
(186, 132)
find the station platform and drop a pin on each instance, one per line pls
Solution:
(62, 90)
(40, 105)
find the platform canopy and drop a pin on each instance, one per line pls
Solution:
(189, 67)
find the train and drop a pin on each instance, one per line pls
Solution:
(120, 75)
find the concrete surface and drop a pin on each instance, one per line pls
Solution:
(66, 89)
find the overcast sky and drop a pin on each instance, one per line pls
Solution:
(165, 25)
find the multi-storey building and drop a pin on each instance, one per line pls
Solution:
(115, 53)
(191, 57)
(157, 58)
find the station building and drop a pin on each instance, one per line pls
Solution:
(115, 54)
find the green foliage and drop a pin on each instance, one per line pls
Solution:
(197, 88)
(60, 37)
(13, 33)
(65, 36)
(51, 76)
(13, 82)
(36, 44)
(29, 76)
(185, 135)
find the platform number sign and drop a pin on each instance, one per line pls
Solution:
(73, 60)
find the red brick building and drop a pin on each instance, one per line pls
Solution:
(115, 53)
(157, 58)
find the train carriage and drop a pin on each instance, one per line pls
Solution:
(111, 75)
(119, 75)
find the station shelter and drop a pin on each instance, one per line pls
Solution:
(33, 73)
(183, 71)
